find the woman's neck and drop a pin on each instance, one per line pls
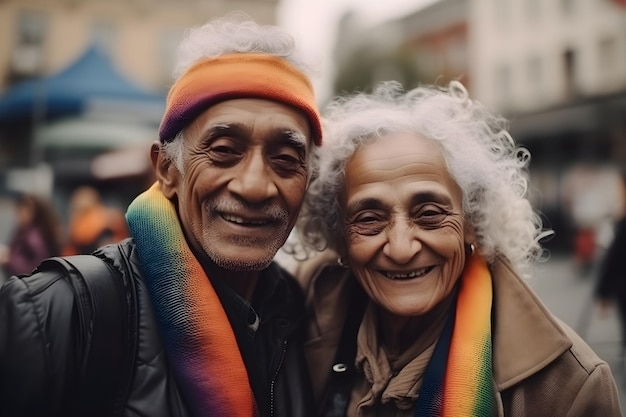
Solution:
(399, 333)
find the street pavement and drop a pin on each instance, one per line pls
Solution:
(568, 294)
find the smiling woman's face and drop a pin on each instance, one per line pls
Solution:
(403, 222)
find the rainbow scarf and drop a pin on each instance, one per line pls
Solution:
(458, 379)
(198, 339)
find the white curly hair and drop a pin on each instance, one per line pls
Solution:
(481, 156)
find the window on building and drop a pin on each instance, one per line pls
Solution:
(502, 13)
(504, 83)
(456, 55)
(535, 75)
(533, 10)
(569, 68)
(607, 53)
(568, 7)
(28, 51)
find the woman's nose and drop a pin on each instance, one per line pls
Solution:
(403, 242)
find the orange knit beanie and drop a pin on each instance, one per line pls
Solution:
(237, 75)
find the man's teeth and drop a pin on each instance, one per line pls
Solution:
(408, 275)
(240, 220)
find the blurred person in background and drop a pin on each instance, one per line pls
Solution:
(219, 324)
(420, 199)
(37, 235)
(92, 223)
(611, 282)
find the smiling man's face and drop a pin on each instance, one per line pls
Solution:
(243, 181)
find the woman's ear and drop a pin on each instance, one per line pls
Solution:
(470, 234)
(341, 248)
(165, 171)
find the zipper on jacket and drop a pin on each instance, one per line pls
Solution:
(273, 383)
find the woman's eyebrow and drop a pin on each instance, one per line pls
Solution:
(430, 197)
(364, 204)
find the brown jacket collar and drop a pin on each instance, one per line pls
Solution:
(526, 336)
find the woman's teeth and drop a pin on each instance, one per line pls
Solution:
(408, 275)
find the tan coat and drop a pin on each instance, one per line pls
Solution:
(541, 366)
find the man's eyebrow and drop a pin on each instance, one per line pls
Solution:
(224, 128)
(293, 138)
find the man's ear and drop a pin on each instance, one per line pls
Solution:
(164, 169)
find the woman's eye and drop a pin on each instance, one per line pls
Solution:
(430, 216)
(366, 219)
(367, 224)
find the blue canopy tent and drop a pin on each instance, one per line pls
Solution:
(70, 92)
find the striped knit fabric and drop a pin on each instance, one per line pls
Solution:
(198, 339)
(233, 76)
(458, 379)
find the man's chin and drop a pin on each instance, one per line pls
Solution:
(238, 263)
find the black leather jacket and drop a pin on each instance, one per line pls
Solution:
(38, 351)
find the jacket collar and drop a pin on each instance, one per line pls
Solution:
(526, 335)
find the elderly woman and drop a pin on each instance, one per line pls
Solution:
(421, 199)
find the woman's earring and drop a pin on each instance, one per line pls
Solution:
(341, 262)
(469, 248)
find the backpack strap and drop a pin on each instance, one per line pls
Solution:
(103, 301)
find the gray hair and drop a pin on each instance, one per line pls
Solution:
(236, 32)
(481, 156)
(174, 151)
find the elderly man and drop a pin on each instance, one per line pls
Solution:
(214, 322)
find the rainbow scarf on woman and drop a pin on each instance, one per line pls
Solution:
(198, 339)
(458, 379)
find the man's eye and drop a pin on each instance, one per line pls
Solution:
(287, 163)
(287, 158)
(224, 150)
(224, 154)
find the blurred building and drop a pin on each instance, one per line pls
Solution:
(533, 55)
(557, 69)
(125, 46)
(429, 45)
(40, 37)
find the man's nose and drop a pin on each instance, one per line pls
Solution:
(255, 180)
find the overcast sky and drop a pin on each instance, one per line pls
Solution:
(314, 25)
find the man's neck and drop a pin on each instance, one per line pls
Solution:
(242, 282)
